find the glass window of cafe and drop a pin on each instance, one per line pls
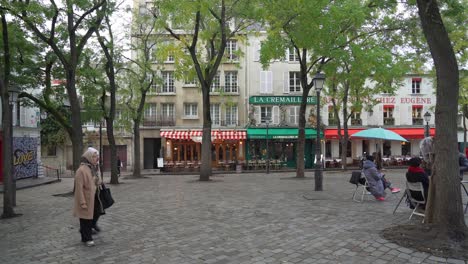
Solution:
(278, 150)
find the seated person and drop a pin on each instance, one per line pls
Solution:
(463, 163)
(376, 180)
(417, 174)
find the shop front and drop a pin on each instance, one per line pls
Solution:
(392, 150)
(281, 150)
(183, 149)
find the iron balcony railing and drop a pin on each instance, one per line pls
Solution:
(356, 122)
(418, 121)
(158, 120)
(389, 121)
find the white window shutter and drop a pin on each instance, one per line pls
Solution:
(269, 82)
(23, 116)
(263, 82)
(275, 115)
(286, 82)
(257, 115)
(286, 55)
(257, 48)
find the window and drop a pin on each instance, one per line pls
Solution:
(191, 110)
(215, 114)
(168, 82)
(388, 115)
(150, 110)
(416, 85)
(216, 84)
(231, 49)
(170, 58)
(417, 115)
(168, 110)
(294, 115)
(191, 82)
(292, 56)
(388, 112)
(230, 82)
(231, 115)
(265, 114)
(294, 82)
(331, 112)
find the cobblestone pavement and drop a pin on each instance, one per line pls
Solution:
(235, 218)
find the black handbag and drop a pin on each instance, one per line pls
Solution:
(106, 197)
(355, 177)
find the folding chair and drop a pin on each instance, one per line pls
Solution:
(363, 190)
(415, 187)
(466, 192)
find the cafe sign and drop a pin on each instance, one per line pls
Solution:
(281, 100)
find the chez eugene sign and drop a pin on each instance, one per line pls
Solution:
(296, 100)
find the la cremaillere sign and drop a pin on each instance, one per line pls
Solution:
(281, 100)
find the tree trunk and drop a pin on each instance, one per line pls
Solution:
(136, 150)
(300, 146)
(113, 151)
(7, 161)
(205, 167)
(76, 131)
(445, 208)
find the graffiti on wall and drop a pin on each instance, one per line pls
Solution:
(25, 157)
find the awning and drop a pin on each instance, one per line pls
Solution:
(197, 134)
(417, 106)
(333, 133)
(278, 133)
(407, 133)
(389, 106)
(416, 79)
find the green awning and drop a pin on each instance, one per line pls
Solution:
(278, 133)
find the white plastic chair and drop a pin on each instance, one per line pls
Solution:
(415, 187)
(361, 192)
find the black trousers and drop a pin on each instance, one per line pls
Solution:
(85, 229)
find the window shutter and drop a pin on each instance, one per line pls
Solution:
(263, 82)
(270, 82)
(275, 115)
(23, 115)
(396, 115)
(286, 82)
(286, 54)
(257, 48)
(257, 115)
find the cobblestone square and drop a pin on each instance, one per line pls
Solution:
(235, 218)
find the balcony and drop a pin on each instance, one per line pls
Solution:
(225, 90)
(418, 121)
(158, 121)
(225, 122)
(389, 121)
(332, 122)
(356, 122)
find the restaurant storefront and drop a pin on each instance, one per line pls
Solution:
(282, 145)
(182, 148)
(391, 149)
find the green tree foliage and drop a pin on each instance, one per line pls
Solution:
(201, 29)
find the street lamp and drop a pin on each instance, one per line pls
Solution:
(267, 122)
(318, 81)
(427, 118)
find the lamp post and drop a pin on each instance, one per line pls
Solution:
(318, 82)
(427, 118)
(267, 121)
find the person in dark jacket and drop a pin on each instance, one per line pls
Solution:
(417, 174)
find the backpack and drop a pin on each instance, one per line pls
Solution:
(355, 177)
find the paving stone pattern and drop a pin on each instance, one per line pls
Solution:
(235, 218)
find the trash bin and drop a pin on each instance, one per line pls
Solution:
(239, 168)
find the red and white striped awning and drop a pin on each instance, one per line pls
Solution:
(215, 134)
(176, 134)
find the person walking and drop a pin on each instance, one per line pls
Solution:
(86, 196)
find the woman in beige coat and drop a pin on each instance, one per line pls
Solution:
(86, 194)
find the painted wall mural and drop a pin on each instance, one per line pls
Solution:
(25, 157)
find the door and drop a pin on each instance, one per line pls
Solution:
(121, 153)
(151, 151)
